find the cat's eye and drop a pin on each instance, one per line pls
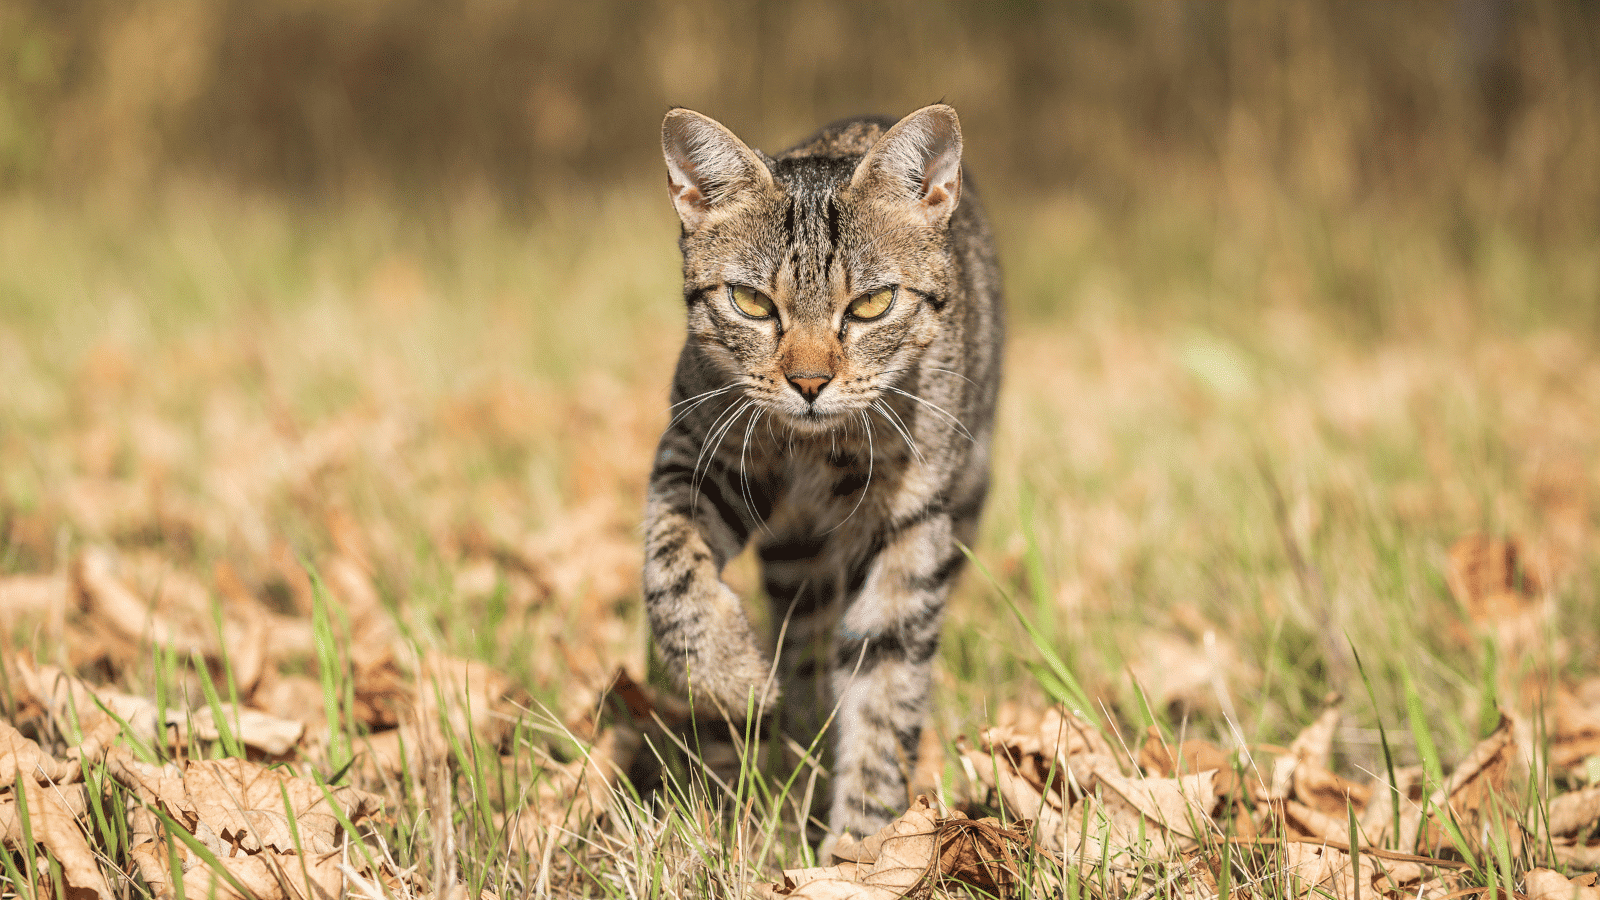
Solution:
(873, 305)
(751, 302)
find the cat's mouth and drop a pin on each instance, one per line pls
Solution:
(819, 418)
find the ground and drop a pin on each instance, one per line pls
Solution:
(1309, 506)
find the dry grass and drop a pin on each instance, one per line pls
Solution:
(1209, 511)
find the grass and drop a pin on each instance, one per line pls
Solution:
(1228, 476)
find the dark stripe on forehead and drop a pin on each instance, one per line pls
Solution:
(833, 225)
(788, 224)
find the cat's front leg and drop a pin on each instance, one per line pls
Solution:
(883, 664)
(700, 629)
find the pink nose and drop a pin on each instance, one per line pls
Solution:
(809, 387)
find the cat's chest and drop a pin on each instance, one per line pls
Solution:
(817, 484)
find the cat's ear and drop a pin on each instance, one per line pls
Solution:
(917, 161)
(706, 165)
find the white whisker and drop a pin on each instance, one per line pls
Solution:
(866, 425)
(698, 400)
(886, 412)
(744, 473)
(718, 433)
(936, 408)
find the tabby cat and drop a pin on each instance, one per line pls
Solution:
(834, 402)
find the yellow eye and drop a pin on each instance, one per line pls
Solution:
(873, 305)
(751, 302)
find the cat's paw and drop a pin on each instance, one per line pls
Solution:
(730, 678)
(728, 672)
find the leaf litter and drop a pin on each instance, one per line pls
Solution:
(1046, 794)
(1067, 799)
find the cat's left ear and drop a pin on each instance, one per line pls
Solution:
(918, 161)
(707, 165)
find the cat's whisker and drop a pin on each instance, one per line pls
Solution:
(744, 473)
(726, 387)
(936, 408)
(886, 412)
(699, 400)
(717, 433)
(866, 426)
(951, 372)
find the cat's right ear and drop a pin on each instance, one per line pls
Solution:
(707, 166)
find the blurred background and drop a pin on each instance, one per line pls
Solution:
(1488, 110)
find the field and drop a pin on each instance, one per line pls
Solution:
(320, 495)
(1219, 498)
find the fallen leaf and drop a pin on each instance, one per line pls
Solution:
(1545, 884)
(255, 729)
(1321, 871)
(463, 696)
(70, 701)
(53, 812)
(246, 806)
(21, 756)
(1571, 813)
(1573, 726)
(1466, 796)
(111, 603)
(1157, 757)
(1502, 592)
(25, 597)
(918, 850)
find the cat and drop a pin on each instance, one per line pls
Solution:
(834, 402)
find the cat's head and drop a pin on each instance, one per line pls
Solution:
(816, 279)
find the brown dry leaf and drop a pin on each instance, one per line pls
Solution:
(1179, 807)
(574, 793)
(1314, 745)
(253, 728)
(52, 821)
(911, 854)
(1321, 871)
(1571, 818)
(1332, 794)
(297, 697)
(1194, 673)
(265, 876)
(1037, 762)
(386, 755)
(982, 853)
(240, 806)
(20, 755)
(1157, 757)
(1545, 884)
(466, 696)
(1466, 794)
(174, 619)
(1573, 726)
(382, 690)
(1572, 813)
(350, 581)
(68, 699)
(1501, 589)
(32, 597)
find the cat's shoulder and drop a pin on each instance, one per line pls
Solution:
(850, 137)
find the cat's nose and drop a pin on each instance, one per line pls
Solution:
(809, 386)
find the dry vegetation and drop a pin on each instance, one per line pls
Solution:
(320, 483)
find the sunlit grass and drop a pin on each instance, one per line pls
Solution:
(1247, 457)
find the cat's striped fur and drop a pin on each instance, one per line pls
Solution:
(851, 444)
